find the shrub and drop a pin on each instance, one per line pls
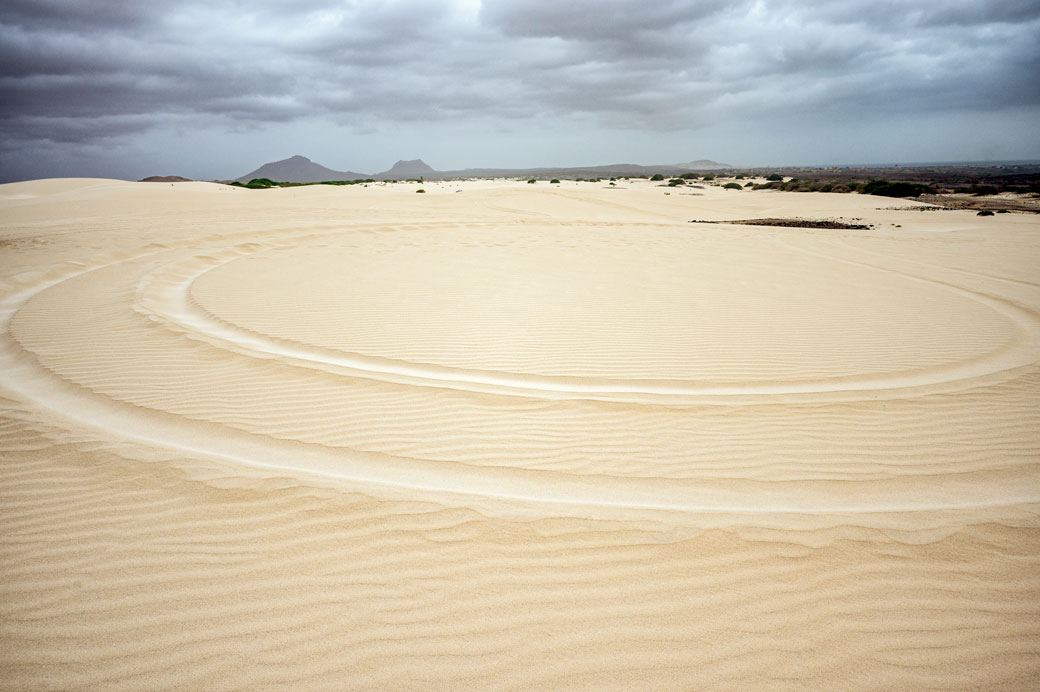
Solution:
(898, 189)
(421, 191)
(709, 177)
(689, 176)
(555, 180)
(984, 190)
(774, 177)
(826, 187)
(674, 182)
(532, 181)
(739, 176)
(261, 183)
(657, 176)
(749, 184)
(732, 186)
(985, 212)
(799, 185)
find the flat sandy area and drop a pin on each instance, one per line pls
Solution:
(512, 436)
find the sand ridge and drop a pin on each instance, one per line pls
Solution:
(351, 423)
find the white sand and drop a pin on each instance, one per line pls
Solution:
(511, 436)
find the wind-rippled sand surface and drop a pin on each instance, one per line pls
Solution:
(511, 436)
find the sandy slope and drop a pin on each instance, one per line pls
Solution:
(514, 436)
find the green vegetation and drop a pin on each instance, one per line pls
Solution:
(978, 190)
(883, 188)
(799, 185)
(532, 181)
(674, 182)
(265, 183)
(708, 177)
(733, 186)
(342, 182)
(657, 176)
(985, 212)
(774, 177)
(421, 191)
(555, 181)
(897, 189)
(260, 184)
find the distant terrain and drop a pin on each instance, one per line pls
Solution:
(164, 179)
(300, 169)
(1004, 186)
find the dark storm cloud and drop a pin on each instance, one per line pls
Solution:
(926, 15)
(77, 16)
(596, 20)
(254, 62)
(690, 62)
(73, 71)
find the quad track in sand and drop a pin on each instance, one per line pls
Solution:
(517, 438)
(493, 334)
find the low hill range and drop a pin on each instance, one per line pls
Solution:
(703, 165)
(300, 169)
(165, 179)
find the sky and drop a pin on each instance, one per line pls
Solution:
(213, 89)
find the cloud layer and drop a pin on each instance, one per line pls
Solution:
(78, 78)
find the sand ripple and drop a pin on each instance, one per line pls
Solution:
(524, 440)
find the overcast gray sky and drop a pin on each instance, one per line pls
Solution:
(213, 88)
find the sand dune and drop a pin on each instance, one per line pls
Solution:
(514, 437)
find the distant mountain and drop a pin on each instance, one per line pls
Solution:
(298, 169)
(415, 168)
(702, 165)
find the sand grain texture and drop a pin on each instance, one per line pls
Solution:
(504, 436)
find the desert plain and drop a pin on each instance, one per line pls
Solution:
(512, 436)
